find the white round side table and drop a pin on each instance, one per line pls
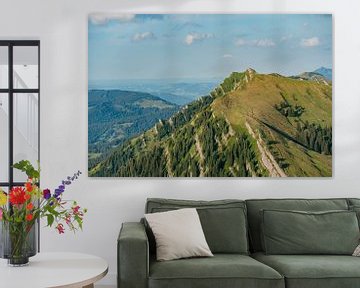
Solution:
(50, 270)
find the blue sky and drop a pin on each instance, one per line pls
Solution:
(204, 46)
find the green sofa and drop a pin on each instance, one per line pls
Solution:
(233, 231)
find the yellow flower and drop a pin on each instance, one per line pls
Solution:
(3, 198)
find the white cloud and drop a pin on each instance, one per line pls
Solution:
(143, 36)
(241, 42)
(265, 43)
(227, 56)
(103, 18)
(310, 42)
(256, 42)
(193, 37)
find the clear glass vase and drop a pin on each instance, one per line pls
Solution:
(18, 242)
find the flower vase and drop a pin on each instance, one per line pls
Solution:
(18, 242)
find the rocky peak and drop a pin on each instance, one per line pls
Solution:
(250, 73)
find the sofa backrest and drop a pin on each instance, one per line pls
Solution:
(255, 206)
(223, 221)
(353, 202)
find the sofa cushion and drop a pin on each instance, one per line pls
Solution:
(223, 221)
(356, 209)
(222, 270)
(255, 206)
(353, 201)
(178, 234)
(313, 271)
(354, 205)
(297, 232)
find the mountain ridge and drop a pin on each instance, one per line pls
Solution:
(250, 125)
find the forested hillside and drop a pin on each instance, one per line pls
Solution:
(116, 115)
(251, 125)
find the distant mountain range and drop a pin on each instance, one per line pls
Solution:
(179, 92)
(326, 72)
(250, 125)
(321, 75)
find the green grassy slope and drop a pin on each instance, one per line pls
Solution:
(251, 125)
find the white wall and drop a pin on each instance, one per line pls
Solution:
(62, 28)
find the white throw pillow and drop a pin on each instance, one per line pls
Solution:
(178, 234)
(357, 251)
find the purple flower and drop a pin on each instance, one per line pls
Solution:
(64, 183)
(46, 194)
(58, 192)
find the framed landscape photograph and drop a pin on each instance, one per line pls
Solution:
(210, 95)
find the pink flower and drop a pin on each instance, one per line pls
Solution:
(68, 219)
(60, 228)
(1, 214)
(76, 210)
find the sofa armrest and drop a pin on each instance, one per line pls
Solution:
(133, 256)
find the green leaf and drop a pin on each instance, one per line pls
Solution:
(26, 167)
(50, 219)
(54, 212)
